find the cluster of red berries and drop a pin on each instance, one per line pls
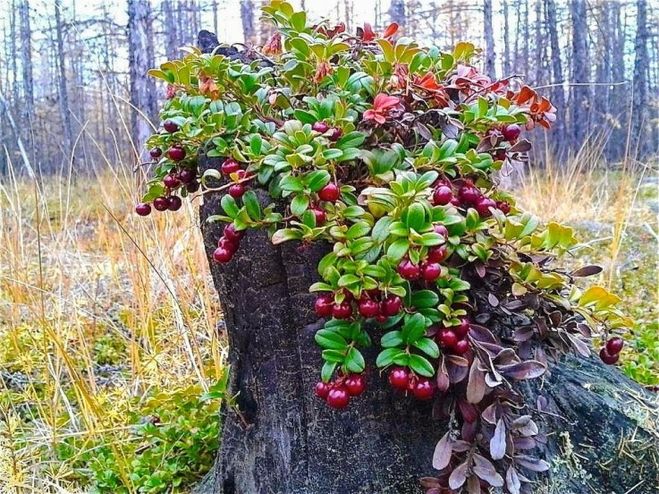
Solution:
(454, 339)
(371, 304)
(467, 196)
(337, 393)
(402, 379)
(610, 353)
(332, 133)
(179, 177)
(430, 269)
(228, 244)
(230, 167)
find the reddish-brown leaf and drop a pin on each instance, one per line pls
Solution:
(443, 451)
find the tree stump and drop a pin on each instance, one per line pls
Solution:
(602, 427)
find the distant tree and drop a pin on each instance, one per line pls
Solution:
(397, 12)
(489, 38)
(579, 93)
(557, 91)
(63, 90)
(247, 18)
(141, 59)
(640, 113)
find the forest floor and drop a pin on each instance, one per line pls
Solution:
(111, 369)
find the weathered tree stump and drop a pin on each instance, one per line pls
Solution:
(281, 439)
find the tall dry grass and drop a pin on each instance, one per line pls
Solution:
(78, 267)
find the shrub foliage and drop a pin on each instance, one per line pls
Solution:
(390, 152)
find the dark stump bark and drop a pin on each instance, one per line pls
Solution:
(279, 438)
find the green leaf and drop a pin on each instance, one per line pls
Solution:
(252, 205)
(291, 184)
(348, 279)
(330, 339)
(354, 361)
(332, 355)
(316, 180)
(351, 140)
(327, 371)
(415, 217)
(388, 356)
(414, 328)
(424, 299)
(398, 249)
(391, 339)
(229, 206)
(299, 204)
(285, 235)
(427, 346)
(421, 366)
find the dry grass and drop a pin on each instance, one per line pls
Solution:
(85, 282)
(79, 269)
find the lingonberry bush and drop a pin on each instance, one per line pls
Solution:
(389, 152)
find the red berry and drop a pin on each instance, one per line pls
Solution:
(174, 203)
(161, 203)
(442, 195)
(483, 207)
(323, 305)
(338, 397)
(503, 206)
(243, 174)
(231, 233)
(222, 255)
(322, 389)
(143, 209)
(320, 126)
(355, 384)
(437, 253)
(155, 153)
(399, 378)
(176, 153)
(614, 345)
(236, 191)
(469, 195)
(447, 338)
(329, 193)
(171, 181)
(229, 166)
(170, 126)
(607, 358)
(462, 329)
(186, 176)
(423, 389)
(369, 308)
(228, 244)
(391, 305)
(335, 134)
(320, 216)
(431, 271)
(408, 270)
(511, 132)
(192, 186)
(440, 230)
(342, 310)
(461, 347)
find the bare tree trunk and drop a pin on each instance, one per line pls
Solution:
(247, 18)
(63, 89)
(506, 40)
(640, 117)
(579, 93)
(489, 38)
(141, 59)
(557, 92)
(26, 63)
(397, 12)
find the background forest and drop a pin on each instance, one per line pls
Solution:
(111, 362)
